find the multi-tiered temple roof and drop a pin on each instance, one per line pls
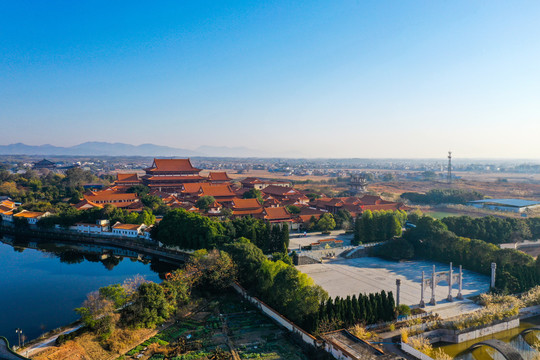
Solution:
(168, 175)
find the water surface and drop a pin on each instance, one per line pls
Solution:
(40, 287)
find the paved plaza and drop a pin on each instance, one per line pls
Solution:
(297, 240)
(370, 274)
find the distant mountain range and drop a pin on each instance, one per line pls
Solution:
(120, 149)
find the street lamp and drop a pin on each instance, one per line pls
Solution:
(19, 332)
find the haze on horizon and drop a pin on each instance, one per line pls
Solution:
(319, 78)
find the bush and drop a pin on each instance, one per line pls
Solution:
(404, 310)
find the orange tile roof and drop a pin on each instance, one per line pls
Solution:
(84, 202)
(191, 188)
(220, 190)
(172, 165)
(126, 226)
(4, 209)
(371, 199)
(248, 212)
(7, 203)
(246, 204)
(174, 178)
(307, 218)
(218, 176)
(29, 214)
(277, 213)
(111, 197)
(127, 177)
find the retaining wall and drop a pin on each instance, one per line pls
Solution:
(277, 317)
(412, 351)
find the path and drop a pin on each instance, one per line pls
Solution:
(46, 343)
(6, 353)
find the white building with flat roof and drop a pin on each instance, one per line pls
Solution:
(514, 205)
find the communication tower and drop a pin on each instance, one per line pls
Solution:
(449, 176)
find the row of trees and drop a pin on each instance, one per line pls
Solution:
(443, 196)
(69, 216)
(492, 229)
(195, 231)
(280, 285)
(346, 312)
(378, 226)
(431, 239)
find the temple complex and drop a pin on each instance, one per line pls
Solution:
(168, 175)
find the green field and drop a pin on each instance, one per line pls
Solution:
(442, 214)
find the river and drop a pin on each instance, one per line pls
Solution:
(42, 282)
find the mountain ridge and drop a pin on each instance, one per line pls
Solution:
(101, 148)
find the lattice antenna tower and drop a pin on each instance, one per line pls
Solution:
(449, 176)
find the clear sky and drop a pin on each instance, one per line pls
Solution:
(335, 78)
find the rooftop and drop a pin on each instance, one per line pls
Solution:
(126, 226)
(507, 202)
(172, 165)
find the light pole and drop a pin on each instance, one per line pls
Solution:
(19, 332)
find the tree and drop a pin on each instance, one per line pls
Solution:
(293, 209)
(189, 230)
(344, 219)
(146, 217)
(212, 269)
(326, 222)
(253, 194)
(97, 313)
(205, 202)
(149, 308)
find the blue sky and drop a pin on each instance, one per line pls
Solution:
(317, 78)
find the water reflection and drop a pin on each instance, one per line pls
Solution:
(42, 282)
(523, 343)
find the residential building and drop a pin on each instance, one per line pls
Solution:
(128, 230)
(255, 183)
(99, 227)
(31, 216)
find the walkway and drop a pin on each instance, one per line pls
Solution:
(507, 351)
(6, 353)
(47, 342)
